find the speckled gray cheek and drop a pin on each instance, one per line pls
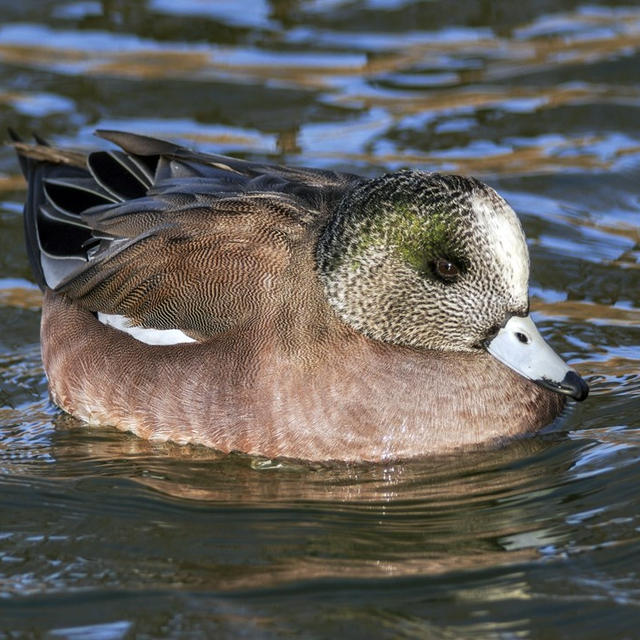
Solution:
(483, 297)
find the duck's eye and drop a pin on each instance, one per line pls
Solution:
(446, 270)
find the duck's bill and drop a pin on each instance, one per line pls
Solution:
(520, 346)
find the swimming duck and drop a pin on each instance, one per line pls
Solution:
(284, 311)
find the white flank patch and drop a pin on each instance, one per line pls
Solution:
(150, 336)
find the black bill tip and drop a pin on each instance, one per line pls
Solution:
(575, 386)
(572, 385)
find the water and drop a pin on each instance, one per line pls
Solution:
(106, 536)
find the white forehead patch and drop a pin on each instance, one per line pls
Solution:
(504, 233)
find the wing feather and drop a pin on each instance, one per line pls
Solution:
(171, 238)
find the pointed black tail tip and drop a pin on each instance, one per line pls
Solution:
(14, 141)
(14, 137)
(39, 139)
(575, 386)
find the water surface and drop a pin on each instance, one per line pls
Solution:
(103, 535)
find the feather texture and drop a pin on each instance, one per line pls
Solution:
(174, 239)
(273, 310)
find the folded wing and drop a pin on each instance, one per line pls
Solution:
(170, 238)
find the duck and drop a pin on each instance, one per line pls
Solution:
(284, 312)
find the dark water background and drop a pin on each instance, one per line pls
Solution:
(105, 536)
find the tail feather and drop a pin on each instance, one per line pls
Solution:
(59, 190)
(119, 175)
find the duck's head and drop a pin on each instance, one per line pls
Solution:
(438, 262)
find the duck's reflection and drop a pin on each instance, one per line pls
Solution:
(249, 522)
